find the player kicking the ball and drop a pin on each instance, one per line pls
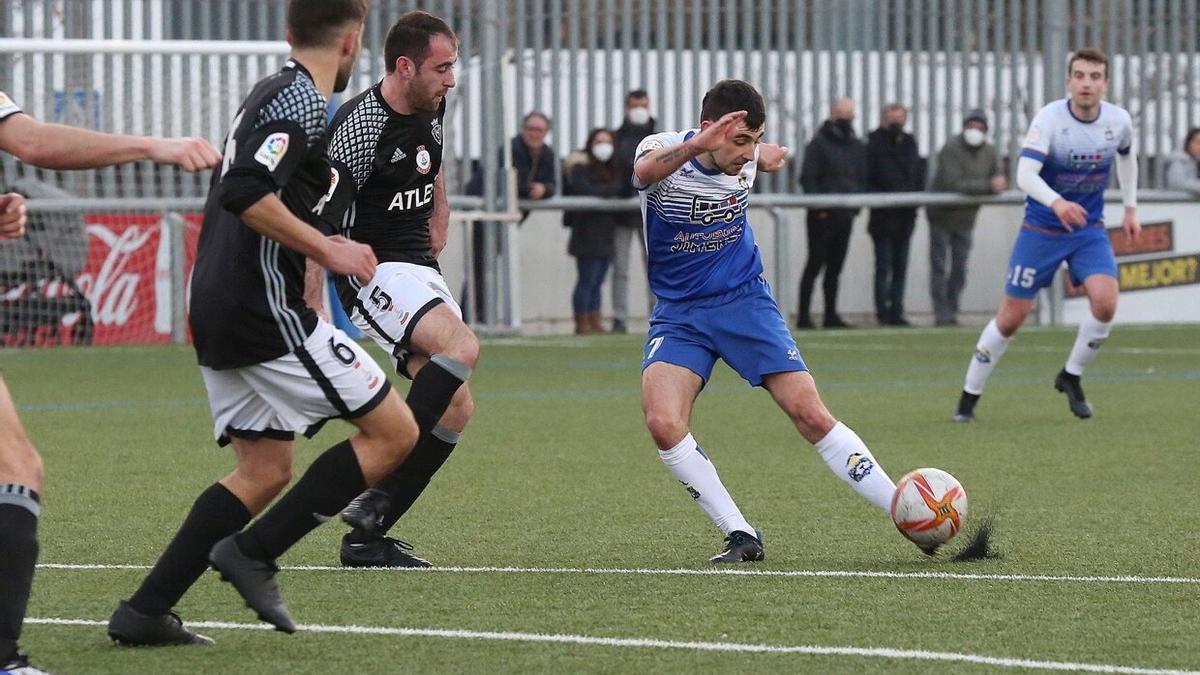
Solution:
(1064, 168)
(712, 302)
(386, 148)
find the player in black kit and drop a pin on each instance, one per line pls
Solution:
(386, 151)
(271, 366)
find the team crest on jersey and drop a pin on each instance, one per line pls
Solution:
(859, 466)
(272, 150)
(435, 128)
(744, 181)
(424, 162)
(1108, 133)
(707, 211)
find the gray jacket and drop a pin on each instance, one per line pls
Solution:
(961, 168)
(1183, 172)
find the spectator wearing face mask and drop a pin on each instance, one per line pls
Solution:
(967, 163)
(893, 165)
(1183, 168)
(834, 163)
(596, 174)
(638, 124)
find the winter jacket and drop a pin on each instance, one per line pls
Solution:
(1183, 172)
(592, 232)
(965, 169)
(893, 165)
(627, 138)
(834, 162)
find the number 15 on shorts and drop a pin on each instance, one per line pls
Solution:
(1022, 277)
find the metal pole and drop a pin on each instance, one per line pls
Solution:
(1054, 19)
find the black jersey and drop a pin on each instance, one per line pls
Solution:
(386, 164)
(246, 294)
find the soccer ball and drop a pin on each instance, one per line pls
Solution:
(929, 507)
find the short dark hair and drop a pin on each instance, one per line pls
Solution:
(729, 96)
(636, 93)
(410, 37)
(1192, 133)
(315, 23)
(1091, 55)
(536, 114)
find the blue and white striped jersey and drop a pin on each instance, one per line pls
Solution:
(697, 234)
(1076, 156)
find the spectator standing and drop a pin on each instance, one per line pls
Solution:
(967, 163)
(834, 162)
(638, 124)
(1183, 168)
(592, 232)
(893, 165)
(534, 160)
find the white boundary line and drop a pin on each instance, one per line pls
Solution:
(853, 574)
(734, 647)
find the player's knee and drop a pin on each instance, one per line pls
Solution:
(1104, 310)
(397, 436)
(462, 407)
(666, 430)
(269, 476)
(20, 463)
(465, 347)
(813, 421)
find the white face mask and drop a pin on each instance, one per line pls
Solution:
(638, 116)
(602, 151)
(974, 137)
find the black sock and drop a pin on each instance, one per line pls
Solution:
(325, 489)
(407, 483)
(433, 388)
(19, 510)
(216, 514)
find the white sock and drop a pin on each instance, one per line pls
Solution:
(698, 475)
(848, 457)
(1091, 336)
(988, 351)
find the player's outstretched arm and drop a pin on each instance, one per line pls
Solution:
(57, 146)
(12, 215)
(662, 162)
(439, 219)
(270, 218)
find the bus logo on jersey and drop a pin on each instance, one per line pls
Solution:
(272, 150)
(707, 211)
(424, 163)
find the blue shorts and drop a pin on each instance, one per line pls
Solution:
(743, 327)
(1037, 255)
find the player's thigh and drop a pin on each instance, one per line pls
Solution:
(19, 461)
(442, 331)
(1036, 256)
(329, 376)
(796, 394)
(751, 335)
(394, 303)
(386, 436)
(668, 393)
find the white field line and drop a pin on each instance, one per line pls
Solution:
(716, 572)
(728, 647)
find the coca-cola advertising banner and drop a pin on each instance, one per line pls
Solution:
(122, 295)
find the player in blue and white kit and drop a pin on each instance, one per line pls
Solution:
(1064, 168)
(712, 302)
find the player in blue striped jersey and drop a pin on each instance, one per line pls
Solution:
(1065, 165)
(712, 302)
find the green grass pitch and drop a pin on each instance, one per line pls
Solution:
(556, 474)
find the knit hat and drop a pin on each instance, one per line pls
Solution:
(976, 115)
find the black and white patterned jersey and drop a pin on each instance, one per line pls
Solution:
(8, 107)
(246, 290)
(385, 165)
